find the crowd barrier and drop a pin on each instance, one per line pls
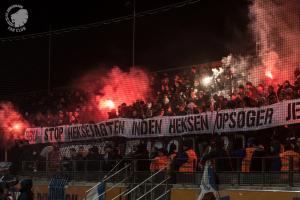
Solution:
(233, 175)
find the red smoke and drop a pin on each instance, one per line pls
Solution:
(110, 89)
(276, 26)
(12, 124)
(106, 104)
(269, 74)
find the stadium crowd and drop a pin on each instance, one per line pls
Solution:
(173, 93)
(272, 155)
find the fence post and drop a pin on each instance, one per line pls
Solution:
(23, 166)
(85, 168)
(264, 170)
(290, 172)
(238, 168)
(47, 168)
(134, 170)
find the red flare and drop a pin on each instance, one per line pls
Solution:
(107, 104)
(269, 74)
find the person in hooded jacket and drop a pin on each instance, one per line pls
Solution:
(142, 158)
(26, 190)
(186, 160)
(218, 154)
(3, 195)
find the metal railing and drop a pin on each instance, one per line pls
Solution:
(164, 195)
(133, 193)
(162, 183)
(107, 179)
(261, 173)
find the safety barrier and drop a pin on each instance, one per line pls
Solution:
(261, 174)
(144, 188)
(57, 187)
(98, 191)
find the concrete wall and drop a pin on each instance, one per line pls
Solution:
(77, 191)
(192, 194)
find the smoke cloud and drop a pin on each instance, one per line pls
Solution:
(109, 89)
(276, 28)
(12, 124)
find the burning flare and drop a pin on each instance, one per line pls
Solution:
(12, 124)
(269, 74)
(107, 104)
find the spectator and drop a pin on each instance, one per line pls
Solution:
(219, 155)
(237, 154)
(272, 97)
(261, 95)
(26, 190)
(275, 158)
(54, 159)
(80, 159)
(169, 111)
(235, 102)
(285, 91)
(160, 162)
(251, 148)
(172, 151)
(165, 88)
(3, 191)
(241, 92)
(162, 112)
(93, 159)
(288, 154)
(110, 158)
(257, 162)
(186, 161)
(112, 114)
(73, 154)
(149, 110)
(182, 109)
(141, 156)
(153, 152)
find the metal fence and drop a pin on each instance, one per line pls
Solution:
(260, 175)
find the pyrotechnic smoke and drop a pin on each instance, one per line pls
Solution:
(12, 124)
(110, 89)
(276, 27)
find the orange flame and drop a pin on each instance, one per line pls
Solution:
(107, 104)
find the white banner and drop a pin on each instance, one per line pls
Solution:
(230, 120)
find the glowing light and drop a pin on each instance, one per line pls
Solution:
(206, 80)
(107, 104)
(269, 74)
(16, 127)
(218, 71)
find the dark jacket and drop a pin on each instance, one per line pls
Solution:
(26, 193)
(142, 157)
(179, 160)
(93, 161)
(275, 164)
(110, 160)
(222, 161)
(257, 160)
(2, 187)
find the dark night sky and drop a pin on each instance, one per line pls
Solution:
(193, 34)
